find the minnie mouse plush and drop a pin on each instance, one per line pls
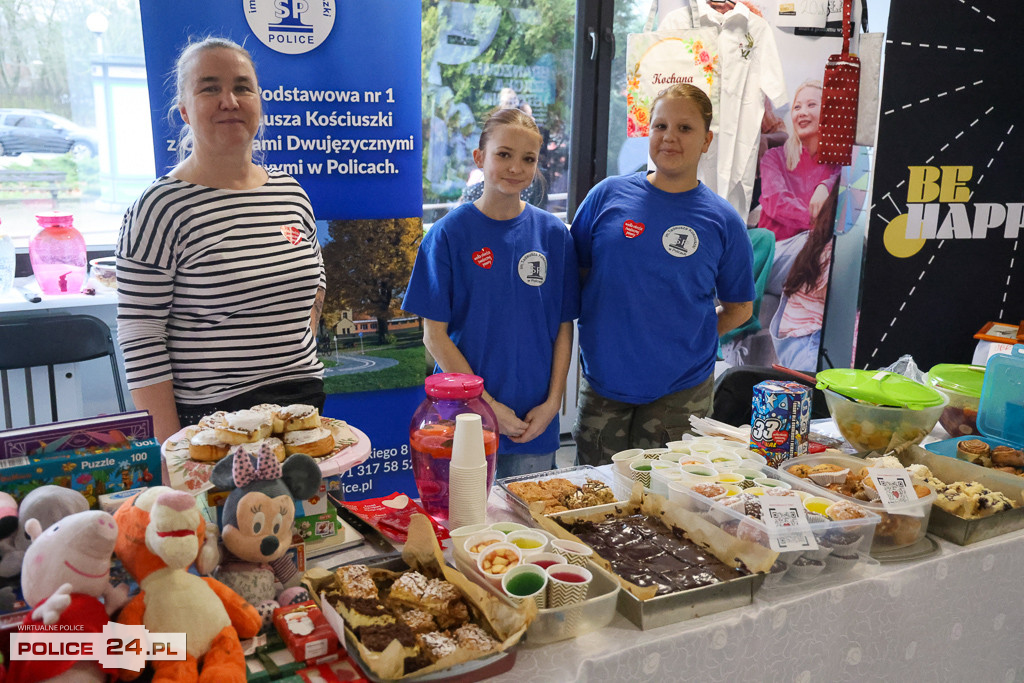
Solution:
(256, 525)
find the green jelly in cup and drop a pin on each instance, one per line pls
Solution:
(524, 584)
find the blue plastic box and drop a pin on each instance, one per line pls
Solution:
(1001, 410)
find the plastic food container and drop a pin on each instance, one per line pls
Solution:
(560, 623)
(895, 529)
(961, 384)
(879, 410)
(1000, 409)
(574, 475)
(848, 540)
(104, 271)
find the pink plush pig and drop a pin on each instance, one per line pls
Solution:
(65, 572)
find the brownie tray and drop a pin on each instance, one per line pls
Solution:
(670, 608)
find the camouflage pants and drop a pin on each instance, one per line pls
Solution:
(604, 427)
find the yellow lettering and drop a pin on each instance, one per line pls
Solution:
(954, 184)
(923, 185)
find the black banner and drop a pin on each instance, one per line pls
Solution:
(943, 255)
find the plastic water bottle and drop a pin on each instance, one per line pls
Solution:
(6, 263)
(58, 254)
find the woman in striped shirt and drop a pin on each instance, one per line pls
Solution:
(220, 277)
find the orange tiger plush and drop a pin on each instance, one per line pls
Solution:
(160, 535)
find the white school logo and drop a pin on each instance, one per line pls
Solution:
(291, 27)
(533, 268)
(680, 240)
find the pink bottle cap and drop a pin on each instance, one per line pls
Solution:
(454, 385)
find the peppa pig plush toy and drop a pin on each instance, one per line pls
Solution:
(66, 572)
(256, 525)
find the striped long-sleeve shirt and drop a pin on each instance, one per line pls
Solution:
(215, 288)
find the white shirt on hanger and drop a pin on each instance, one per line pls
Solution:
(751, 70)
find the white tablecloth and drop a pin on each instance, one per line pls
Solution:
(955, 615)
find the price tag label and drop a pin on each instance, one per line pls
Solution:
(895, 490)
(786, 521)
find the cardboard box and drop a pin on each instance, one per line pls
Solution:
(305, 631)
(780, 420)
(104, 470)
(76, 435)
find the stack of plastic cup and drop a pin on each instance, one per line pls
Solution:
(467, 475)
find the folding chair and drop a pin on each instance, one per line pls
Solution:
(48, 341)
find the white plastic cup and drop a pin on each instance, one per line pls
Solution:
(769, 483)
(695, 474)
(562, 592)
(528, 537)
(476, 539)
(468, 442)
(679, 446)
(622, 459)
(485, 562)
(508, 527)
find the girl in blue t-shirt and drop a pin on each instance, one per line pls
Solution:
(496, 283)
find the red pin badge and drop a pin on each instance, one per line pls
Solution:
(633, 229)
(292, 234)
(484, 258)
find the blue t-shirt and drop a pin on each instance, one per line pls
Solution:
(504, 288)
(656, 260)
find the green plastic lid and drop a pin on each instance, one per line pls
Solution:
(963, 379)
(879, 387)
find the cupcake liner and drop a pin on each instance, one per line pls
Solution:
(871, 493)
(820, 554)
(839, 563)
(805, 572)
(826, 478)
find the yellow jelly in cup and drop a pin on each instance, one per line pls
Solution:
(818, 505)
(527, 543)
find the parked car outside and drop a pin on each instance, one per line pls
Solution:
(34, 130)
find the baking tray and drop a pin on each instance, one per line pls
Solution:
(672, 608)
(576, 475)
(467, 672)
(966, 531)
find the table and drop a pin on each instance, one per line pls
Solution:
(956, 615)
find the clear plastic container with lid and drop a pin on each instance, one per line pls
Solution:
(58, 254)
(432, 431)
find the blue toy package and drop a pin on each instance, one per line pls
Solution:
(1001, 409)
(780, 420)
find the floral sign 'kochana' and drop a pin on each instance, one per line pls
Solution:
(658, 59)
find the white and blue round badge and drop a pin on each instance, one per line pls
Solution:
(291, 27)
(533, 268)
(680, 240)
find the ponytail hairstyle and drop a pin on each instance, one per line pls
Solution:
(506, 117)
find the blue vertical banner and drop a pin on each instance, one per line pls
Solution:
(340, 86)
